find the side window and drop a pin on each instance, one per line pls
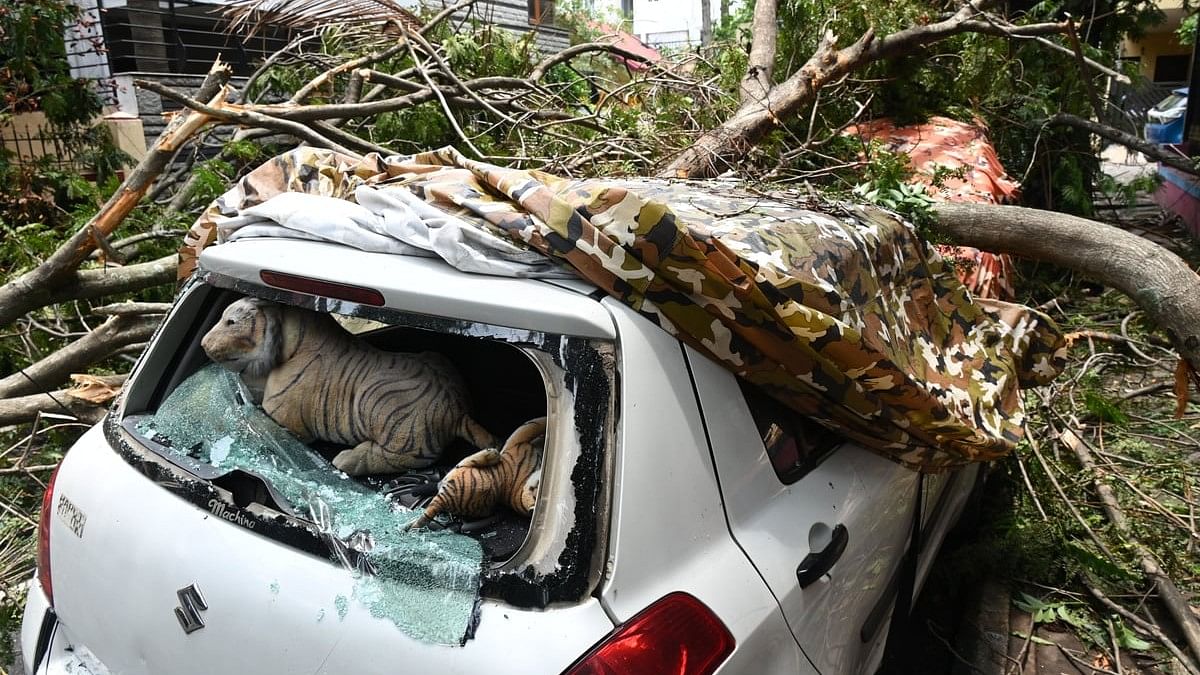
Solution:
(794, 443)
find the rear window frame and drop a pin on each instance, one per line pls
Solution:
(589, 369)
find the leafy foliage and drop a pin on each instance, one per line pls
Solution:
(1186, 33)
(1065, 612)
(1011, 86)
(888, 183)
(35, 74)
(35, 77)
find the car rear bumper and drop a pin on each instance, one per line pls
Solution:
(46, 645)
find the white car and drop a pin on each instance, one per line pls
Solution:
(686, 523)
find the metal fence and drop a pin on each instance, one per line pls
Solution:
(28, 138)
(177, 37)
(1129, 103)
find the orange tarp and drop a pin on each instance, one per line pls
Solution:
(961, 148)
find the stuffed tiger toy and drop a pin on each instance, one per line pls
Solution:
(490, 478)
(319, 382)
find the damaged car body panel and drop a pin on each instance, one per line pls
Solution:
(244, 510)
(265, 612)
(174, 554)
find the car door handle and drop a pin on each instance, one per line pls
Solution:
(816, 564)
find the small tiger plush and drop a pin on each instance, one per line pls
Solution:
(319, 382)
(490, 478)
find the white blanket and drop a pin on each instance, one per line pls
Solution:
(389, 221)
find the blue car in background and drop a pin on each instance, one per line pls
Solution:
(1164, 122)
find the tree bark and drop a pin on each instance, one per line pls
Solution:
(765, 29)
(706, 31)
(98, 283)
(719, 149)
(1160, 282)
(24, 409)
(105, 340)
(27, 292)
(89, 284)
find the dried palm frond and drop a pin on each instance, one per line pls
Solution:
(250, 16)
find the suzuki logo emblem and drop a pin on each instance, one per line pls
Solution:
(191, 603)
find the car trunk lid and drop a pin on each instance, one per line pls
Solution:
(145, 564)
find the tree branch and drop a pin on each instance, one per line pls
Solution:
(1160, 282)
(539, 71)
(244, 114)
(29, 290)
(718, 149)
(88, 284)
(104, 341)
(1168, 592)
(1128, 140)
(757, 80)
(25, 409)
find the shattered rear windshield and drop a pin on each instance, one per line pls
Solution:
(244, 468)
(425, 582)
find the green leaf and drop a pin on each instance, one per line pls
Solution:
(1126, 638)
(1103, 408)
(1095, 563)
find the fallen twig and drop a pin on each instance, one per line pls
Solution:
(1168, 592)
(1150, 629)
(1071, 505)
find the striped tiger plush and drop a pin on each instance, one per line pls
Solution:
(490, 478)
(319, 382)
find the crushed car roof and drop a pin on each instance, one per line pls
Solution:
(838, 310)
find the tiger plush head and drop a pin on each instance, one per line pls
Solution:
(247, 339)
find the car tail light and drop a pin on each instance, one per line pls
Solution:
(43, 551)
(677, 635)
(329, 289)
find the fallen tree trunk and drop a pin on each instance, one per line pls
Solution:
(107, 339)
(1160, 282)
(25, 409)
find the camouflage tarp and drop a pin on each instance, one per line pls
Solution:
(839, 310)
(962, 161)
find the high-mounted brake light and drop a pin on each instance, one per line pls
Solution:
(328, 289)
(677, 635)
(43, 540)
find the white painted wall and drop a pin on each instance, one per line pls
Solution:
(608, 11)
(672, 21)
(81, 38)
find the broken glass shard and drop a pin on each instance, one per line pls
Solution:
(424, 582)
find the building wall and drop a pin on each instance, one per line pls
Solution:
(672, 22)
(1160, 41)
(1152, 46)
(513, 15)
